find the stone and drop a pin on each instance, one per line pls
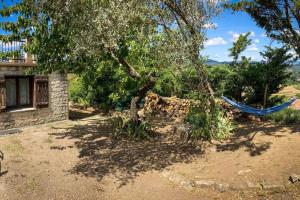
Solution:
(294, 178)
(222, 187)
(179, 179)
(274, 188)
(244, 171)
(187, 184)
(252, 185)
(204, 183)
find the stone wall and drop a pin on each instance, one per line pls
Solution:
(57, 109)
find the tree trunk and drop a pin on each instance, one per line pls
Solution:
(265, 95)
(134, 106)
(135, 102)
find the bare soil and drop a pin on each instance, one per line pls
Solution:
(78, 160)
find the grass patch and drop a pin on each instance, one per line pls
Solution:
(287, 116)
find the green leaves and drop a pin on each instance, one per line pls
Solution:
(239, 46)
(279, 18)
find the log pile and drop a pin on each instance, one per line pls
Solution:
(172, 107)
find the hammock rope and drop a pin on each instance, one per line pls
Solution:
(256, 111)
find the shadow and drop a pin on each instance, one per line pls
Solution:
(1, 159)
(3, 173)
(101, 156)
(244, 137)
(77, 114)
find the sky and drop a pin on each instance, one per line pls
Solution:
(228, 26)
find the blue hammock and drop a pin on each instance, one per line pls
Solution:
(255, 111)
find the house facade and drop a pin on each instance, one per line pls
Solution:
(27, 100)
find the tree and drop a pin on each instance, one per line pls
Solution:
(74, 35)
(236, 83)
(279, 18)
(270, 75)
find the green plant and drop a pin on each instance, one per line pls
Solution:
(286, 116)
(201, 121)
(126, 128)
(219, 77)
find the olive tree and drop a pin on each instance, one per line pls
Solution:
(70, 35)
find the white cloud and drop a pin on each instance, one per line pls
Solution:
(215, 41)
(293, 52)
(263, 35)
(236, 35)
(210, 25)
(256, 41)
(252, 47)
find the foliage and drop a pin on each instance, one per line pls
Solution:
(221, 77)
(126, 128)
(287, 116)
(248, 81)
(279, 18)
(77, 92)
(140, 39)
(239, 46)
(200, 122)
(236, 82)
(270, 75)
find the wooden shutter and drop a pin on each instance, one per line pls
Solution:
(41, 91)
(2, 94)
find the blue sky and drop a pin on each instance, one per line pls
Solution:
(228, 26)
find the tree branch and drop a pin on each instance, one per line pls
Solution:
(128, 68)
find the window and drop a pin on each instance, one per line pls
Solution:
(19, 91)
(23, 92)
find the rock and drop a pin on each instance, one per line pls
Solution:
(187, 184)
(204, 183)
(252, 185)
(244, 171)
(274, 188)
(294, 178)
(198, 148)
(222, 187)
(182, 181)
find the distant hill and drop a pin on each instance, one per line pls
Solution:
(211, 62)
(214, 62)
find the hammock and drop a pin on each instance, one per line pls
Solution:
(255, 111)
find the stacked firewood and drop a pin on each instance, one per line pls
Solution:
(172, 107)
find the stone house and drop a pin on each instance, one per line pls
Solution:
(30, 99)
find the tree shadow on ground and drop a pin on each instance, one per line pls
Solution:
(100, 156)
(77, 114)
(244, 137)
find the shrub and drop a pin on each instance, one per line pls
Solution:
(201, 122)
(77, 91)
(287, 116)
(128, 129)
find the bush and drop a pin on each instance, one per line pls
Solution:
(219, 77)
(77, 91)
(128, 129)
(201, 122)
(287, 116)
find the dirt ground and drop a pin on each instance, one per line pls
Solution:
(77, 160)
